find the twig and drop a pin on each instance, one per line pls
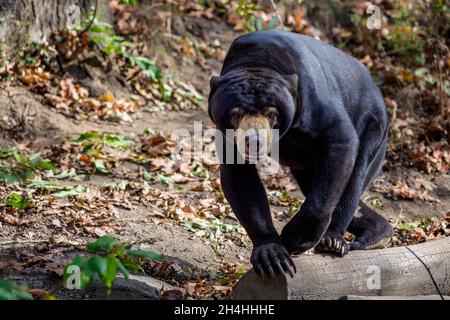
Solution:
(92, 20)
(23, 118)
(274, 5)
(398, 218)
(4, 243)
(153, 7)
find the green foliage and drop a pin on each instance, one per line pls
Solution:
(94, 142)
(405, 40)
(100, 166)
(293, 202)
(165, 179)
(65, 174)
(117, 46)
(211, 230)
(103, 267)
(111, 256)
(232, 278)
(58, 191)
(70, 191)
(129, 2)
(149, 68)
(246, 7)
(112, 44)
(147, 175)
(116, 186)
(9, 290)
(405, 36)
(3, 62)
(424, 223)
(252, 12)
(189, 92)
(105, 243)
(17, 201)
(97, 147)
(22, 167)
(402, 225)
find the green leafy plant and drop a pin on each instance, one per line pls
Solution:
(165, 179)
(3, 65)
(402, 225)
(149, 68)
(57, 190)
(117, 46)
(9, 290)
(424, 223)
(95, 141)
(246, 7)
(96, 149)
(231, 278)
(64, 174)
(95, 146)
(111, 256)
(211, 230)
(22, 167)
(293, 203)
(17, 201)
(252, 12)
(113, 45)
(129, 2)
(406, 41)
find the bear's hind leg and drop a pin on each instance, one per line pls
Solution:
(370, 229)
(333, 240)
(368, 163)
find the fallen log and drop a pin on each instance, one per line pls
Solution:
(417, 270)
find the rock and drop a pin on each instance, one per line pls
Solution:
(178, 25)
(135, 288)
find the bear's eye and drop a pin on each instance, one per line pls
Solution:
(272, 115)
(235, 116)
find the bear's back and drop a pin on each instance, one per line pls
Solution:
(291, 53)
(326, 73)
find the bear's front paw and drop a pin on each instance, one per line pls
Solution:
(270, 258)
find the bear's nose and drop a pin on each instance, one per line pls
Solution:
(254, 141)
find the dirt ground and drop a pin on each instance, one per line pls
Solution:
(37, 251)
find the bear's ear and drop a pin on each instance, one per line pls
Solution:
(293, 84)
(214, 82)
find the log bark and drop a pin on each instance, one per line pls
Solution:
(385, 272)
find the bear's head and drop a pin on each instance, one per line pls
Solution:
(253, 103)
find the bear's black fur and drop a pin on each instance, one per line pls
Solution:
(333, 132)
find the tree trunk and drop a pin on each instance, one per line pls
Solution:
(386, 272)
(25, 21)
(48, 15)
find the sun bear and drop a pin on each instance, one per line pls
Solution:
(332, 133)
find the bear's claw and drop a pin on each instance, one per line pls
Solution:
(333, 244)
(269, 259)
